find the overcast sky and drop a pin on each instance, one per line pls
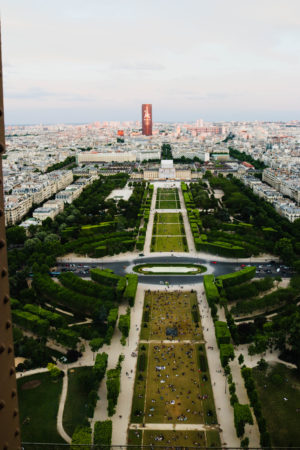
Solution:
(87, 60)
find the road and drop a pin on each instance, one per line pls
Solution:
(215, 267)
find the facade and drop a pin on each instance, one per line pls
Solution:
(167, 172)
(147, 119)
(97, 157)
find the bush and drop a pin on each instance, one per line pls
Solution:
(231, 279)
(226, 353)
(242, 415)
(54, 319)
(222, 333)
(30, 322)
(103, 432)
(82, 435)
(130, 290)
(124, 323)
(113, 386)
(100, 365)
(105, 277)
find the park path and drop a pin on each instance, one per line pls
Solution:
(121, 418)
(188, 231)
(62, 401)
(219, 381)
(173, 426)
(223, 408)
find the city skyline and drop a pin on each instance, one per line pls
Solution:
(80, 64)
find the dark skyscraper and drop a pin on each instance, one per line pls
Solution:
(147, 119)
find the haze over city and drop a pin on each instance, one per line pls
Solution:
(76, 61)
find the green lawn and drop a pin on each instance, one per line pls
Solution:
(174, 439)
(168, 217)
(167, 204)
(169, 244)
(135, 438)
(75, 407)
(38, 402)
(281, 415)
(169, 310)
(167, 229)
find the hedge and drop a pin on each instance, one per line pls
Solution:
(124, 323)
(211, 291)
(220, 248)
(242, 415)
(66, 337)
(54, 319)
(231, 279)
(103, 433)
(130, 290)
(226, 353)
(57, 294)
(106, 277)
(268, 301)
(120, 287)
(113, 386)
(82, 435)
(100, 365)
(30, 321)
(222, 333)
(248, 290)
(112, 317)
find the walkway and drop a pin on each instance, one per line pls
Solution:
(147, 246)
(62, 401)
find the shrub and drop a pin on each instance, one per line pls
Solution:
(226, 353)
(103, 432)
(105, 277)
(242, 415)
(82, 435)
(130, 290)
(231, 279)
(100, 365)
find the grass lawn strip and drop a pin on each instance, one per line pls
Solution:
(172, 310)
(282, 416)
(138, 400)
(173, 439)
(169, 244)
(168, 229)
(173, 390)
(168, 217)
(38, 401)
(76, 402)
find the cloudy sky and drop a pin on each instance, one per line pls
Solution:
(87, 60)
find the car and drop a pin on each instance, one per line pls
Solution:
(243, 265)
(141, 254)
(214, 262)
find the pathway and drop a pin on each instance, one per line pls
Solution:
(62, 401)
(147, 246)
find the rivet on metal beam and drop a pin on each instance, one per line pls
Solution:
(5, 299)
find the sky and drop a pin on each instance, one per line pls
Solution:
(79, 61)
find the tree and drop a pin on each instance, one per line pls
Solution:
(54, 370)
(284, 249)
(15, 235)
(241, 359)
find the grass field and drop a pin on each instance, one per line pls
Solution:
(173, 385)
(168, 217)
(75, 406)
(170, 310)
(169, 244)
(173, 439)
(38, 402)
(167, 229)
(167, 199)
(138, 400)
(282, 416)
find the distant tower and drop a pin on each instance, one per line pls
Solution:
(9, 412)
(147, 119)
